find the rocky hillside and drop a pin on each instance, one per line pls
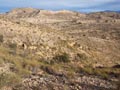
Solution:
(59, 50)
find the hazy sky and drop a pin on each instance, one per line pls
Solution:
(76, 5)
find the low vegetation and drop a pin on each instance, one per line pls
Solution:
(64, 57)
(9, 79)
(12, 45)
(1, 39)
(105, 73)
(21, 67)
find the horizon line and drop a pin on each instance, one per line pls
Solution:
(5, 10)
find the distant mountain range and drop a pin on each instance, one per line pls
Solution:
(112, 11)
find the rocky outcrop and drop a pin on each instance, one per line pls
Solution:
(61, 83)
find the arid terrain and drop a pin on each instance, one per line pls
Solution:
(59, 50)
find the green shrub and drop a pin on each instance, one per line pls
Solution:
(1, 38)
(13, 45)
(80, 56)
(62, 58)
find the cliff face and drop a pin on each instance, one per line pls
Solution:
(43, 46)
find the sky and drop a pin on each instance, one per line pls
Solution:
(74, 5)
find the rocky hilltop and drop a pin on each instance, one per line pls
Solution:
(59, 50)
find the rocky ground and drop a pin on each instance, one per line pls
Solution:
(59, 50)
